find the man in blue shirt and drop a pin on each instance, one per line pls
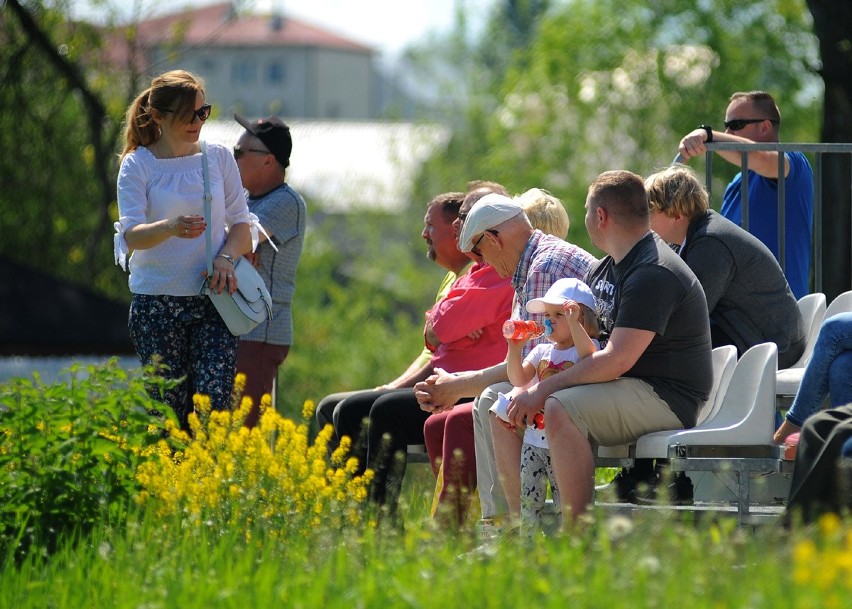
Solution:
(754, 117)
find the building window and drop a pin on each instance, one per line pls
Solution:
(275, 73)
(244, 72)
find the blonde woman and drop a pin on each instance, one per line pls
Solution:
(545, 212)
(161, 223)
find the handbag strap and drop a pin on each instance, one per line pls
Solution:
(207, 198)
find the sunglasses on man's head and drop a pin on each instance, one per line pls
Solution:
(203, 113)
(735, 124)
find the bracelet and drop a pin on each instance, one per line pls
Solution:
(226, 257)
(709, 131)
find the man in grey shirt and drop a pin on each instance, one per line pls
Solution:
(748, 297)
(263, 155)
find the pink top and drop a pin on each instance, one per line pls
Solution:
(479, 299)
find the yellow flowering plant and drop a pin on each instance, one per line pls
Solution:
(226, 476)
(822, 563)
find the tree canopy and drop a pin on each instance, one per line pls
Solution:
(603, 84)
(548, 94)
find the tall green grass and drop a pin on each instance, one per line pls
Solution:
(649, 561)
(91, 555)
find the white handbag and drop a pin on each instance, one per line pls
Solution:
(250, 304)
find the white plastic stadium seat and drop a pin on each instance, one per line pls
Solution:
(737, 438)
(841, 304)
(745, 416)
(812, 307)
(724, 362)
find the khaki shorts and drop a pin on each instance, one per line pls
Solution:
(617, 412)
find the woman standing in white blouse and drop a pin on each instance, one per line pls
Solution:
(161, 209)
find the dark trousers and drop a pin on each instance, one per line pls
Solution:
(259, 362)
(395, 421)
(816, 487)
(188, 336)
(347, 412)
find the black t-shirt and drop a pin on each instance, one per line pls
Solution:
(653, 289)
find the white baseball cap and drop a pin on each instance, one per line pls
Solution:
(561, 291)
(491, 210)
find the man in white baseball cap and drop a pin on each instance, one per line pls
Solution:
(491, 210)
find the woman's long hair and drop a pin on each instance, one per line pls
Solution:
(174, 91)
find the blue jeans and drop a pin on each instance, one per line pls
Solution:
(829, 371)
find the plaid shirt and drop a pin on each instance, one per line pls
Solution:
(545, 259)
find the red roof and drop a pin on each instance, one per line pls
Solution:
(216, 25)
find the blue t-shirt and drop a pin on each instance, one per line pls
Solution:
(763, 216)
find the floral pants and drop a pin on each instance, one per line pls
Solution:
(536, 472)
(186, 334)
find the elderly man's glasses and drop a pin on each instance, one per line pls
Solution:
(735, 124)
(475, 248)
(239, 152)
(203, 113)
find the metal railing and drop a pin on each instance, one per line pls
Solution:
(818, 150)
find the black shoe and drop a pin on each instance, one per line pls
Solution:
(678, 492)
(631, 483)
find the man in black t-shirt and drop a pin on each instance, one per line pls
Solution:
(655, 371)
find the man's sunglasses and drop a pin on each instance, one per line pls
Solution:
(203, 113)
(239, 152)
(735, 124)
(475, 248)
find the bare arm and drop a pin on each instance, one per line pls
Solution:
(237, 243)
(410, 377)
(763, 162)
(442, 390)
(146, 236)
(519, 372)
(584, 345)
(624, 348)
(785, 430)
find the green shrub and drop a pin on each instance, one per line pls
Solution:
(69, 452)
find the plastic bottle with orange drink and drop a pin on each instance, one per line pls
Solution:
(519, 329)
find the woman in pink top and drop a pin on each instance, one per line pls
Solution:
(477, 305)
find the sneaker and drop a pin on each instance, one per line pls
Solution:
(488, 529)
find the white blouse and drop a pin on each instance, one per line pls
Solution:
(152, 189)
